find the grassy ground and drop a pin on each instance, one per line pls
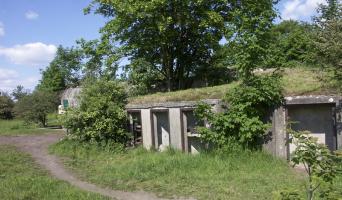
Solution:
(19, 127)
(205, 176)
(20, 178)
(296, 81)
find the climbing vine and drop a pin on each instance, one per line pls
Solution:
(243, 123)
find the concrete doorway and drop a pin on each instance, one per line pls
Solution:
(161, 130)
(316, 118)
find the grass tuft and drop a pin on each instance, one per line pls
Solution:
(296, 81)
(243, 175)
(21, 178)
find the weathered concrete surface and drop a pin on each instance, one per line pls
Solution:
(161, 130)
(175, 128)
(339, 124)
(177, 104)
(318, 119)
(279, 132)
(312, 99)
(146, 126)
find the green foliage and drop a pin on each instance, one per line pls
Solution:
(36, 106)
(178, 38)
(243, 122)
(19, 92)
(63, 71)
(320, 164)
(6, 106)
(329, 40)
(101, 116)
(292, 44)
(253, 21)
(20, 127)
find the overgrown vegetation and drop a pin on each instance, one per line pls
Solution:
(243, 122)
(329, 41)
(237, 175)
(35, 107)
(101, 116)
(321, 166)
(21, 178)
(6, 106)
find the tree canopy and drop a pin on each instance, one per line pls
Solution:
(177, 39)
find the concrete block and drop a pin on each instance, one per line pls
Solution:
(175, 128)
(146, 128)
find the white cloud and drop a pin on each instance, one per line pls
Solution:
(31, 15)
(300, 9)
(2, 29)
(30, 54)
(9, 79)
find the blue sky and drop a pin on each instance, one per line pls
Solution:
(31, 30)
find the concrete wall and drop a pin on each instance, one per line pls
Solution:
(146, 128)
(176, 128)
(338, 111)
(316, 118)
(313, 112)
(275, 141)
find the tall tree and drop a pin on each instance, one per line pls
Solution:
(19, 92)
(63, 71)
(178, 37)
(292, 43)
(329, 39)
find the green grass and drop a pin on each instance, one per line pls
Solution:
(206, 176)
(296, 81)
(19, 127)
(20, 178)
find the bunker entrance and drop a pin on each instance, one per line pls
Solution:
(161, 129)
(192, 141)
(318, 119)
(135, 127)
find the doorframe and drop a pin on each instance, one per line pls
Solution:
(154, 135)
(131, 126)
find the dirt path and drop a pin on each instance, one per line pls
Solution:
(37, 146)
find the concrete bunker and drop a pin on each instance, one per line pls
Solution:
(170, 124)
(159, 125)
(173, 123)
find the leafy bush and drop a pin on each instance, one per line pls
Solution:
(320, 164)
(101, 116)
(6, 106)
(243, 122)
(35, 107)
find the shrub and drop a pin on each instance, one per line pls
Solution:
(101, 116)
(243, 122)
(6, 107)
(35, 107)
(320, 164)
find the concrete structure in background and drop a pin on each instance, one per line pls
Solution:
(159, 125)
(69, 98)
(172, 123)
(168, 124)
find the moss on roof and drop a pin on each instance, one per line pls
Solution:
(296, 81)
